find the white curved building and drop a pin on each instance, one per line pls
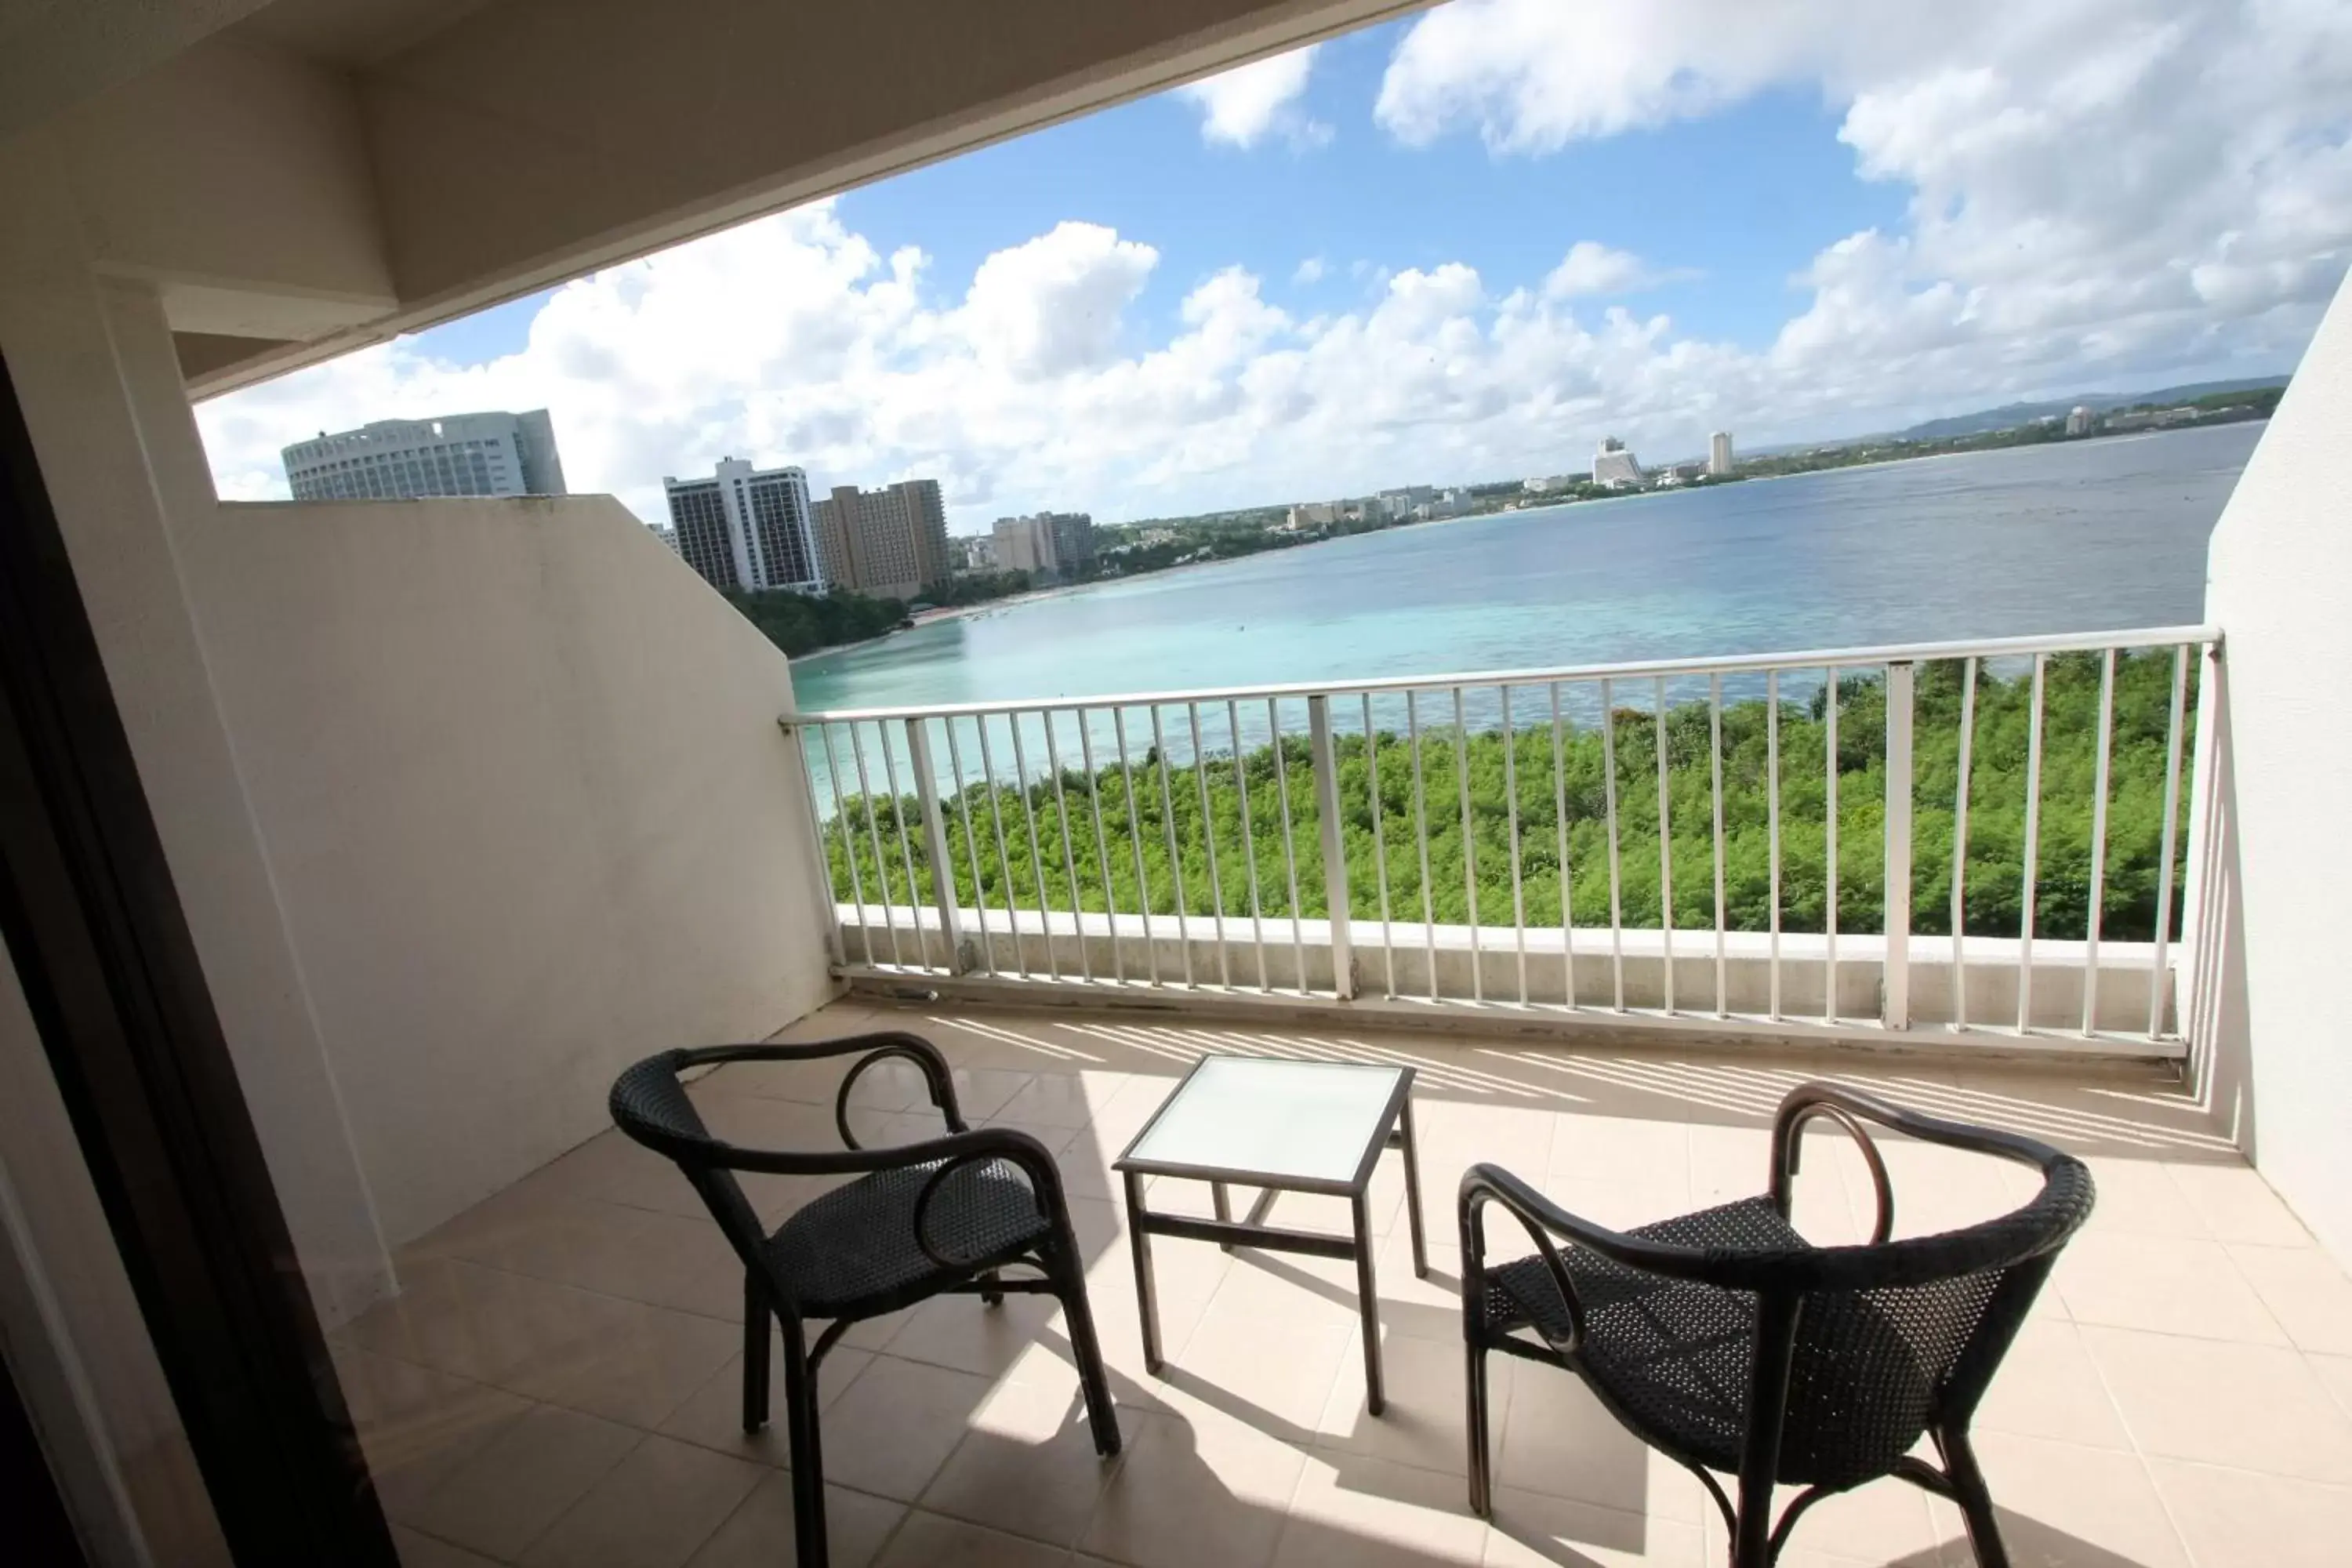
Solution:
(1614, 467)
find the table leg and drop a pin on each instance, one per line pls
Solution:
(1224, 1206)
(1412, 1189)
(1368, 1297)
(1146, 1298)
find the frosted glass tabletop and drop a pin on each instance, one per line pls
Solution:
(1246, 1116)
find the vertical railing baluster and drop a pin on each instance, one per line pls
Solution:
(1325, 763)
(1566, 884)
(1380, 841)
(1772, 821)
(1168, 823)
(2171, 823)
(1069, 849)
(972, 851)
(874, 838)
(906, 851)
(1469, 847)
(1102, 847)
(1135, 841)
(1249, 842)
(1421, 832)
(1715, 771)
(1511, 797)
(2093, 910)
(935, 843)
(1036, 849)
(1289, 851)
(2032, 848)
(1616, 888)
(828, 910)
(1895, 1011)
(1666, 844)
(1003, 854)
(1830, 912)
(1960, 846)
(1209, 836)
(848, 840)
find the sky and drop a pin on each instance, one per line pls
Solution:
(1462, 245)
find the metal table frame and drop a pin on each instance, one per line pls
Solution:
(1392, 1130)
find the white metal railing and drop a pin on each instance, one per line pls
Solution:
(1302, 841)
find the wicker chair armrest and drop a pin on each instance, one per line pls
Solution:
(1800, 1102)
(1725, 1269)
(877, 1047)
(1789, 1146)
(1484, 1184)
(989, 1143)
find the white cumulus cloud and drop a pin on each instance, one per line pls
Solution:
(1241, 107)
(1592, 267)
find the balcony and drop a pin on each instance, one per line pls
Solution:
(557, 1380)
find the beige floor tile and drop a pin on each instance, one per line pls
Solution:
(1028, 1464)
(2334, 1373)
(2164, 1285)
(1063, 1099)
(712, 1417)
(1558, 1439)
(423, 1551)
(417, 1426)
(1620, 1150)
(2231, 1519)
(961, 1333)
(895, 1425)
(503, 1498)
(2061, 1506)
(1269, 1363)
(2048, 1387)
(1422, 1424)
(2305, 1291)
(1351, 1512)
(1530, 1529)
(640, 1365)
(2140, 1197)
(1882, 1521)
(1418, 1307)
(1197, 1491)
(2256, 1407)
(2235, 1203)
(653, 1511)
(928, 1540)
(759, 1534)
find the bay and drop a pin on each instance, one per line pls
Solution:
(2080, 536)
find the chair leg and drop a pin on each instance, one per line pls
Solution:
(1974, 1497)
(806, 1452)
(1482, 1489)
(755, 1354)
(989, 1297)
(1070, 1286)
(1751, 1532)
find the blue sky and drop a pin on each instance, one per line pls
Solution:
(1793, 222)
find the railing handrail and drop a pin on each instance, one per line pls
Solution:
(1721, 663)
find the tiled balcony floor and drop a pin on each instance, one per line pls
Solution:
(557, 1384)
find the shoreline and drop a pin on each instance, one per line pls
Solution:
(1034, 595)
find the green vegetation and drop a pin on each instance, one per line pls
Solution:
(803, 623)
(1500, 771)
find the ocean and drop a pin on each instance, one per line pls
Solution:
(2085, 536)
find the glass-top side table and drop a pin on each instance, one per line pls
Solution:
(1281, 1127)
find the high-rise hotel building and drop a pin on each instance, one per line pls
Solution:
(747, 527)
(891, 543)
(455, 454)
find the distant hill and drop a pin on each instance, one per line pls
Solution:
(2011, 415)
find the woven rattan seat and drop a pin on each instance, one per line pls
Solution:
(949, 1214)
(852, 1253)
(1728, 1341)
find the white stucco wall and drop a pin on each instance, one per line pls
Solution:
(2281, 589)
(521, 786)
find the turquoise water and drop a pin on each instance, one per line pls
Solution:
(2087, 536)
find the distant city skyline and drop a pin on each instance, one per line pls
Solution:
(1787, 222)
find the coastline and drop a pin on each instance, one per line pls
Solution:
(963, 612)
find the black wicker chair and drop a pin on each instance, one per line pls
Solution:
(1728, 1341)
(921, 1219)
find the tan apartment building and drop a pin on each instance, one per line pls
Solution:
(891, 542)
